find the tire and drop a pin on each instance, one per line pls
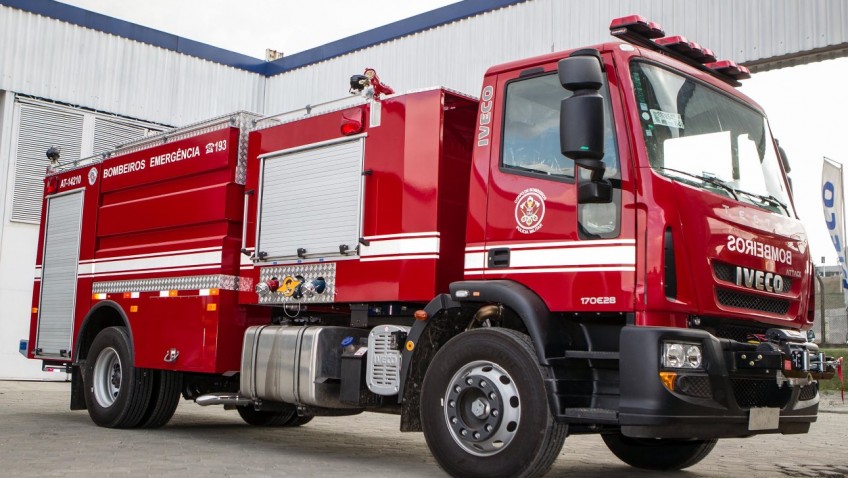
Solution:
(117, 394)
(485, 409)
(298, 420)
(164, 398)
(261, 418)
(658, 454)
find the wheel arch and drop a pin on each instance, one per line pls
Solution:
(104, 314)
(448, 315)
(549, 336)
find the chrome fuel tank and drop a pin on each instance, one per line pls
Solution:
(295, 364)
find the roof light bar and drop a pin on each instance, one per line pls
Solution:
(639, 31)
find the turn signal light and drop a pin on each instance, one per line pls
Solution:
(668, 379)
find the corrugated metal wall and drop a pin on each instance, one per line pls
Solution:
(63, 62)
(52, 59)
(456, 55)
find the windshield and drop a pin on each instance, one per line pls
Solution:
(699, 136)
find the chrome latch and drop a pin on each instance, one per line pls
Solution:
(171, 355)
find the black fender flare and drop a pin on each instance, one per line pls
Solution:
(548, 336)
(90, 319)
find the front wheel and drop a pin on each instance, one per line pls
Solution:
(485, 410)
(658, 454)
(117, 394)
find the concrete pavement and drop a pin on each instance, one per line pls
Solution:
(39, 436)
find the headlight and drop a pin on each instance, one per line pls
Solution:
(682, 355)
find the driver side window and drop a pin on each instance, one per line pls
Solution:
(531, 128)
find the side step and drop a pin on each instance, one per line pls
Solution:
(585, 355)
(589, 416)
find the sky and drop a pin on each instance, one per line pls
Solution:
(806, 105)
(251, 26)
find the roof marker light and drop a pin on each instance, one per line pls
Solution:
(637, 24)
(689, 49)
(730, 68)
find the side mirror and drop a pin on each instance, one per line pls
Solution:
(581, 121)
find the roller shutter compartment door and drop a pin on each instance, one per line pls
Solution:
(59, 275)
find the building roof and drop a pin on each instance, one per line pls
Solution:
(132, 31)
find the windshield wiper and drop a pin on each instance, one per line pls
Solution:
(713, 181)
(765, 198)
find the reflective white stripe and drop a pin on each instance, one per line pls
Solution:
(475, 260)
(414, 245)
(550, 270)
(245, 260)
(576, 257)
(402, 235)
(399, 258)
(38, 273)
(152, 254)
(549, 245)
(85, 269)
(151, 271)
(573, 256)
(149, 264)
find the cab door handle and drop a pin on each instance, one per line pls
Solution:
(498, 258)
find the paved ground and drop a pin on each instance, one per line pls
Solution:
(39, 436)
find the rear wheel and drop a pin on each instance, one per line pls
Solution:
(484, 407)
(658, 454)
(117, 394)
(163, 400)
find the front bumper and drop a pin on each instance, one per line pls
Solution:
(715, 402)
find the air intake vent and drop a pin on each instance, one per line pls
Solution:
(669, 266)
(384, 358)
(742, 300)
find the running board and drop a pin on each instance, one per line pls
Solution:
(589, 416)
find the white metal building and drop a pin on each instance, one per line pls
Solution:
(86, 82)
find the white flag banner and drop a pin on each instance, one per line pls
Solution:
(834, 214)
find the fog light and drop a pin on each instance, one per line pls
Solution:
(693, 356)
(682, 355)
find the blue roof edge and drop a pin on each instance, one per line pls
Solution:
(106, 24)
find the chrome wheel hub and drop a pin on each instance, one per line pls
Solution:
(482, 408)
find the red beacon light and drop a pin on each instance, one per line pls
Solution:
(636, 25)
(689, 49)
(730, 68)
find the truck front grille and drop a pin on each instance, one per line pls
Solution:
(727, 273)
(743, 300)
(751, 393)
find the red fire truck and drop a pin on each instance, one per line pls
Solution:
(605, 242)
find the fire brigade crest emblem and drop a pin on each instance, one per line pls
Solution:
(529, 210)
